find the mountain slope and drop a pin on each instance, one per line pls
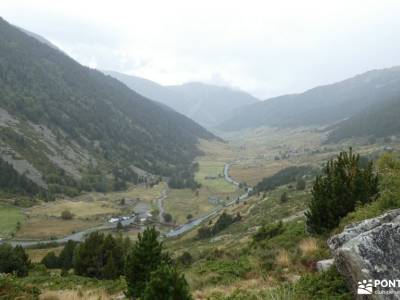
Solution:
(59, 118)
(322, 105)
(212, 104)
(153, 90)
(378, 120)
(206, 104)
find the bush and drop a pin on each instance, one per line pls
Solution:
(300, 184)
(204, 232)
(225, 271)
(167, 283)
(167, 217)
(66, 215)
(283, 177)
(267, 232)
(284, 197)
(50, 261)
(120, 226)
(185, 259)
(325, 285)
(11, 289)
(223, 222)
(389, 169)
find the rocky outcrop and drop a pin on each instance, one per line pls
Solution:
(324, 265)
(370, 250)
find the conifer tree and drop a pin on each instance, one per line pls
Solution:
(14, 260)
(168, 284)
(50, 260)
(66, 256)
(110, 270)
(92, 256)
(335, 193)
(145, 257)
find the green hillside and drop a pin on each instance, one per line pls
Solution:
(323, 105)
(61, 118)
(378, 121)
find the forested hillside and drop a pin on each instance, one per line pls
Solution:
(61, 118)
(378, 121)
(14, 183)
(322, 105)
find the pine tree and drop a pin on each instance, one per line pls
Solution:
(284, 197)
(51, 261)
(66, 256)
(119, 226)
(145, 257)
(300, 184)
(336, 193)
(92, 256)
(110, 270)
(89, 257)
(166, 283)
(14, 260)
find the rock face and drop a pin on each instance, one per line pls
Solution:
(325, 264)
(370, 250)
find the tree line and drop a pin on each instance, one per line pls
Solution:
(224, 221)
(149, 271)
(285, 176)
(79, 105)
(14, 260)
(14, 183)
(185, 178)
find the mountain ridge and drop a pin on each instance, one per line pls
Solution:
(64, 119)
(204, 103)
(322, 105)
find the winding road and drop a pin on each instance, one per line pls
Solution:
(160, 205)
(79, 236)
(190, 225)
(226, 175)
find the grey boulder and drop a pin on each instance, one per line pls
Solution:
(370, 250)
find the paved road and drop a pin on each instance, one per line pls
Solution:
(227, 177)
(190, 225)
(79, 236)
(161, 206)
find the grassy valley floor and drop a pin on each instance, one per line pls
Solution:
(232, 264)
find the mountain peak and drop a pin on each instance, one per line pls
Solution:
(77, 115)
(206, 104)
(321, 105)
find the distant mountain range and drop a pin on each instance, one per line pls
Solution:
(379, 120)
(362, 99)
(206, 104)
(60, 121)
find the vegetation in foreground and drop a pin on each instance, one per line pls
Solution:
(246, 259)
(344, 184)
(148, 270)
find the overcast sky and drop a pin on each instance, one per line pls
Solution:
(267, 48)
